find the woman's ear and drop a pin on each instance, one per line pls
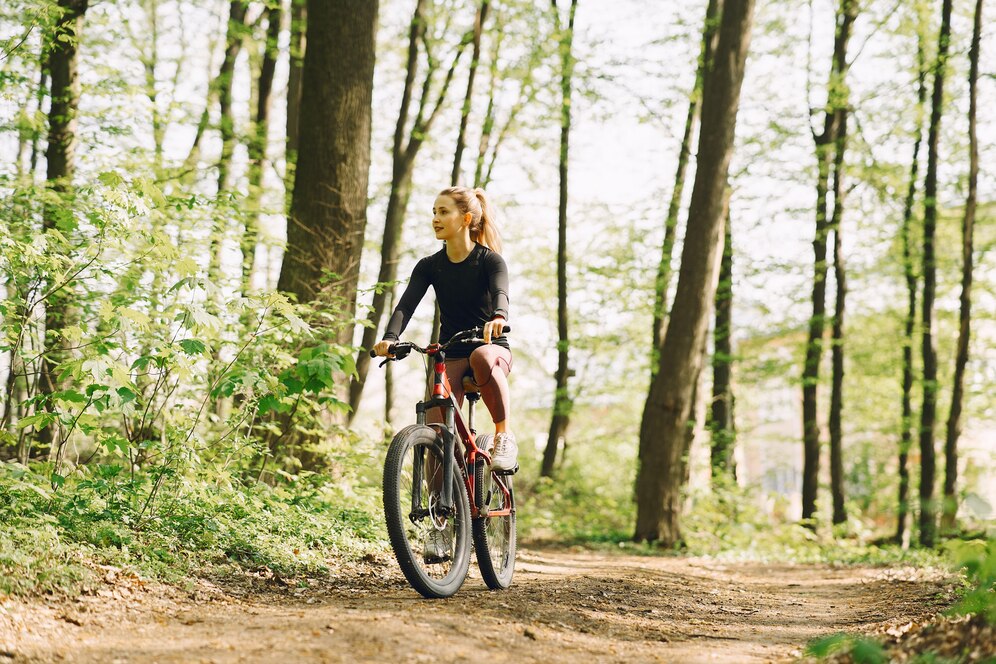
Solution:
(467, 217)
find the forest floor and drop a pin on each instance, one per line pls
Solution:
(565, 605)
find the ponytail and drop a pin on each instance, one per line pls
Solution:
(483, 224)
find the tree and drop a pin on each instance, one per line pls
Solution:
(62, 59)
(928, 413)
(721, 422)
(664, 269)
(950, 506)
(826, 142)
(909, 273)
(328, 206)
(404, 150)
(562, 400)
(666, 414)
(257, 143)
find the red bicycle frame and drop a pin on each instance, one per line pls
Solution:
(454, 426)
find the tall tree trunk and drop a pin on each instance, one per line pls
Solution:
(664, 269)
(329, 205)
(928, 414)
(62, 59)
(950, 506)
(461, 143)
(43, 87)
(257, 145)
(669, 402)
(226, 125)
(825, 144)
(909, 271)
(837, 330)
(298, 44)
(562, 403)
(405, 150)
(721, 422)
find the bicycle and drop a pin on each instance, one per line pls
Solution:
(434, 495)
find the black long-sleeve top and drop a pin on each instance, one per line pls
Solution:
(470, 293)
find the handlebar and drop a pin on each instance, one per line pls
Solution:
(401, 349)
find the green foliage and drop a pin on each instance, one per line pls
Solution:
(862, 651)
(51, 541)
(977, 559)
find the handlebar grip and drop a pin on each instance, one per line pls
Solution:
(373, 353)
(506, 329)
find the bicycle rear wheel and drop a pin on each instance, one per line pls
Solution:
(433, 549)
(494, 530)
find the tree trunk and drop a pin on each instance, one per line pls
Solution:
(909, 271)
(298, 44)
(257, 145)
(226, 125)
(61, 160)
(950, 506)
(837, 330)
(404, 152)
(482, 13)
(669, 402)
(721, 422)
(562, 404)
(825, 143)
(329, 205)
(664, 270)
(928, 414)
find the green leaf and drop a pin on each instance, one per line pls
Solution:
(57, 479)
(39, 421)
(70, 396)
(192, 347)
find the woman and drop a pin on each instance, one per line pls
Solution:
(470, 280)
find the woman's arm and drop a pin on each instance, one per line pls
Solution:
(497, 273)
(414, 292)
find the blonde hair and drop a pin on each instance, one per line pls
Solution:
(483, 225)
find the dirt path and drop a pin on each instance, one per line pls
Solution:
(563, 607)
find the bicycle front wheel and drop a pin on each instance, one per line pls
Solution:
(432, 547)
(494, 529)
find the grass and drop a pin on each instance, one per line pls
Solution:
(51, 541)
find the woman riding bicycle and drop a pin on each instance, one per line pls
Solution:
(470, 280)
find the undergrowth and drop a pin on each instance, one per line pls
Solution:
(51, 541)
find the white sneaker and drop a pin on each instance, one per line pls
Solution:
(437, 548)
(506, 451)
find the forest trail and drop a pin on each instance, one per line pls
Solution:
(563, 606)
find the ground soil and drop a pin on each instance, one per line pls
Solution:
(564, 606)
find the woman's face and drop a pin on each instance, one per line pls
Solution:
(446, 218)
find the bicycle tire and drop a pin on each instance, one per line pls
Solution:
(409, 532)
(494, 536)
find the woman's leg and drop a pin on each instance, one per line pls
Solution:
(491, 365)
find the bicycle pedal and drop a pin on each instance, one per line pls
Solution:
(510, 471)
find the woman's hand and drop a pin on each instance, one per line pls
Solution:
(381, 348)
(493, 329)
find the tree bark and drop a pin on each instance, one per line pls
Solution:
(562, 403)
(837, 330)
(257, 145)
(721, 422)
(825, 143)
(62, 58)
(298, 46)
(949, 511)
(664, 269)
(669, 402)
(328, 208)
(404, 151)
(461, 143)
(928, 414)
(226, 126)
(909, 272)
